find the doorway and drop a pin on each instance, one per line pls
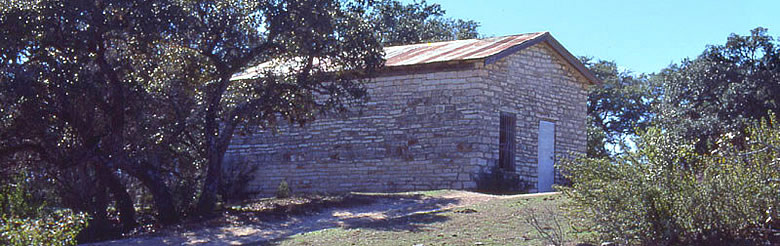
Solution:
(546, 156)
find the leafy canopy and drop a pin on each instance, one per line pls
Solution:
(722, 90)
(417, 22)
(617, 108)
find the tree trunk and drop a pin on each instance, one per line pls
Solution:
(215, 147)
(123, 201)
(167, 213)
(208, 196)
(216, 152)
(99, 227)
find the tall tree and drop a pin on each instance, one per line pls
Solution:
(314, 54)
(618, 107)
(98, 90)
(75, 79)
(722, 90)
(417, 22)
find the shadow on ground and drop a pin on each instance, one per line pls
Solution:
(267, 223)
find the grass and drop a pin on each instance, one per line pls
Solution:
(409, 218)
(495, 222)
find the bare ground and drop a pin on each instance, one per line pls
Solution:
(261, 222)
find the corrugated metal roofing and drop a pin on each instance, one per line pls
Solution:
(453, 50)
(489, 49)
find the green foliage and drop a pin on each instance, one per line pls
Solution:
(26, 221)
(663, 192)
(283, 190)
(417, 22)
(597, 141)
(56, 228)
(82, 101)
(15, 200)
(617, 108)
(721, 91)
(113, 95)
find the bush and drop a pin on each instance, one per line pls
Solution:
(283, 191)
(26, 221)
(663, 193)
(237, 176)
(57, 228)
(499, 181)
(549, 223)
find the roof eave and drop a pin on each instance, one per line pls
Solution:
(448, 65)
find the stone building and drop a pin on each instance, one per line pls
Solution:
(466, 114)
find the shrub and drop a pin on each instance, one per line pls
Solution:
(549, 223)
(26, 221)
(237, 175)
(56, 228)
(499, 181)
(283, 191)
(663, 193)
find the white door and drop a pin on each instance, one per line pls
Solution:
(546, 156)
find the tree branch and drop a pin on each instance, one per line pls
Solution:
(22, 147)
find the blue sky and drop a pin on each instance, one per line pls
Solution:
(641, 36)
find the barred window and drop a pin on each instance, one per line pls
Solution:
(506, 142)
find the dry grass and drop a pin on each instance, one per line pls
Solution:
(493, 222)
(441, 217)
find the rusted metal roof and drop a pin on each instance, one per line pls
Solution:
(489, 50)
(458, 50)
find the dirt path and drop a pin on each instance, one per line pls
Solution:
(383, 208)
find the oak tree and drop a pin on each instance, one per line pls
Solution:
(721, 91)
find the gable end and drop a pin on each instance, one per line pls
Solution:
(555, 45)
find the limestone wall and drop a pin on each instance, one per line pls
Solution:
(417, 132)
